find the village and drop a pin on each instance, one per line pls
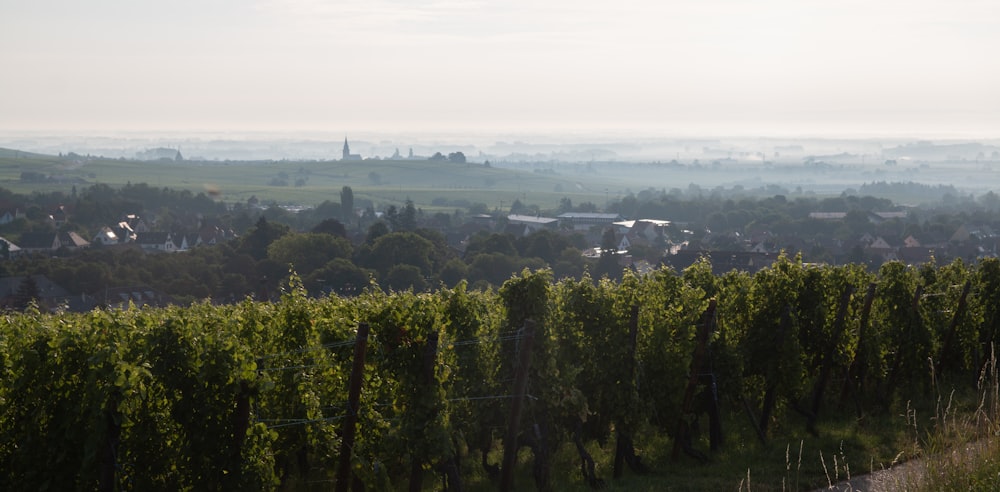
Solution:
(49, 259)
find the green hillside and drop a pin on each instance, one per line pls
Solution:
(430, 184)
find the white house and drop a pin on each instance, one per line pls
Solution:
(156, 241)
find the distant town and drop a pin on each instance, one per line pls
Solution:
(101, 245)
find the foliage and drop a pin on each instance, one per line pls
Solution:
(251, 395)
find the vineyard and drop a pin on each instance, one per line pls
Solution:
(392, 391)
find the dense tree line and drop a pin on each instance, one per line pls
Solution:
(337, 250)
(255, 263)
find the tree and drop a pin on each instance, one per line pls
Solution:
(491, 243)
(403, 277)
(27, 293)
(332, 227)
(328, 210)
(543, 244)
(392, 215)
(497, 268)
(339, 276)
(457, 157)
(256, 241)
(478, 208)
(309, 251)
(398, 248)
(347, 204)
(454, 272)
(408, 217)
(494, 268)
(565, 205)
(607, 265)
(570, 264)
(991, 201)
(376, 231)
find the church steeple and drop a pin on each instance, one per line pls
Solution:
(348, 156)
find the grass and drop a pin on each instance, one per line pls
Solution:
(383, 182)
(948, 442)
(792, 460)
(962, 446)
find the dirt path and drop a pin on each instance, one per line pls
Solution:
(899, 477)
(904, 476)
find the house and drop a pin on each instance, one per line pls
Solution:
(39, 242)
(188, 241)
(762, 247)
(484, 221)
(156, 241)
(105, 237)
(48, 295)
(827, 215)
(72, 241)
(211, 235)
(138, 296)
(961, 235)
(532, 223)
(722, 261)
(124, 232)
(623, 242)
(873, 217)
(135, 223)
(879, 217)
(915, 255)
(643, 231)
(880, 245)
(516, 230)
(882, 250)
(583, 221)
(59, 216)
(8, 249)
(8, 216)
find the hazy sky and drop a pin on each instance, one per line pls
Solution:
(763, 67)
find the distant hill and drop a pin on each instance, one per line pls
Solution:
(19, 154)
(943, 152)
(428, 183)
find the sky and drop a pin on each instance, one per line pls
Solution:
(642, 67)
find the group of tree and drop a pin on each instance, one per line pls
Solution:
(255, 263)
(407, 248)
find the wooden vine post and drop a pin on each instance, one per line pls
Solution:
(514, 422)
(350, 421)
(624, 447)
(700, 351)
(771, 393)
(897, 359)
(856, 372)
(828, 358)
(108, 455)
(430, 356)
(953, 327)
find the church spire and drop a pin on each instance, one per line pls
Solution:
(348, 156)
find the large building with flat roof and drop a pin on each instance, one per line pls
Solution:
(583, 221)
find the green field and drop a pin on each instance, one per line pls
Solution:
(430, 184)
